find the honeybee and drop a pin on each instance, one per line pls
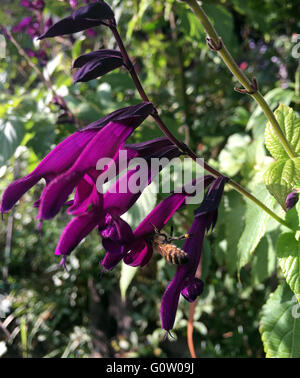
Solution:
(161, 243)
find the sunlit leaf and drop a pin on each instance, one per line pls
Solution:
(280, 324)
(288, 252)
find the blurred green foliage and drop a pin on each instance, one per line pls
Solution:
(48, 312)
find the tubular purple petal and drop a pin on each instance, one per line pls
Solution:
(75, 231)
(57, 161)
(110, 138)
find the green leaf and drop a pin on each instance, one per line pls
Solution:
(206, 259)
(223, 22)
(233, 156)
(137, 18)
(290, 125)
(127, 274)
(11, 135)
(264, 260)
(142, 207)
(280, 324)
(280, 178)
(257, 121)
(288, 252)
(235, 208)
(43, 135)
(292, 217)
(256, 223)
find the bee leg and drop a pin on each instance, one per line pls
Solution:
(155, 228)
(182, 237)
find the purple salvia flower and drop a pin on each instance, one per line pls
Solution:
(65, 154)
(184, 281)
(96, 63)
(106, 214)
(291, 199)
(111, 138)
(84, 18)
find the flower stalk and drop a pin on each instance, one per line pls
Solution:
(215, 43)
(248, 85)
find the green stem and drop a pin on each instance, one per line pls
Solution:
(239, 74)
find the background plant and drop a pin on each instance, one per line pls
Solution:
(52, 313)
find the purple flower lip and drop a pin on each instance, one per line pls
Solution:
(82, 19)
(96, 63)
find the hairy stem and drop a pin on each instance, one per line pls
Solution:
(172, 137)
(239, 74)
